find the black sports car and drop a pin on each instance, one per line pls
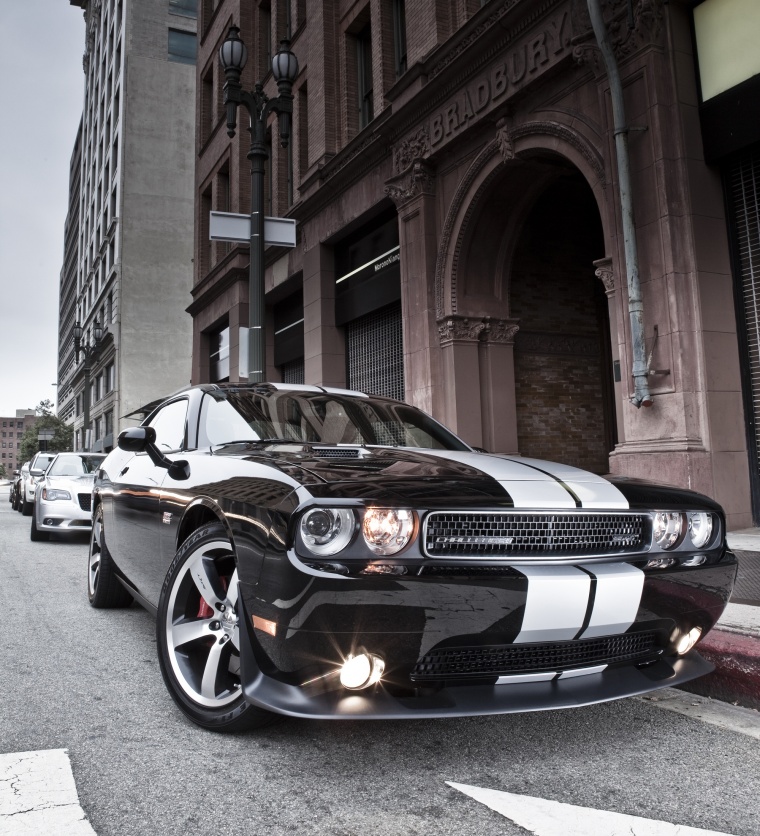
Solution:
(320, 553)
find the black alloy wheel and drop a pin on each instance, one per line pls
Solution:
(198, 635)
(104, 589)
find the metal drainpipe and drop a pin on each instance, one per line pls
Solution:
(640, 370)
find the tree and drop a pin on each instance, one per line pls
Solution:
(3, 472)
(63, 434)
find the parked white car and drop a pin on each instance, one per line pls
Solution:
(63, 497)
(37, 467)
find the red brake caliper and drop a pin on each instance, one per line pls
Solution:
(204, 610)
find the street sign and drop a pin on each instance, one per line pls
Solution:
(227, 226)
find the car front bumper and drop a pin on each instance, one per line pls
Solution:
(62, 515)
(297, 631)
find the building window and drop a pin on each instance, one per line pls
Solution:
(109, 423)
(108, 378)
(183, 46)
(265, 39)
(375, 353)
(188, 8)
(219, 359)
(78, 407)
(207, 104)
(364, 75)
(293, 372)
(399, 36)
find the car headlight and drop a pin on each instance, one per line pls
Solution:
(53, 493)
(668, 528)
(700, 528)
(327, 530)
(387, 530)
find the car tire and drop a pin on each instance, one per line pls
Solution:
(104, 590)
(198, 636)
(14, 501)
(26, 507)
(35, 535)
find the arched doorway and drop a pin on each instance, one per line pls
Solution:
(562, 360)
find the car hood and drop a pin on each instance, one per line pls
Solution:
(407, 475)
(73, 484)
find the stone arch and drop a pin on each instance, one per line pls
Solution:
(509, 148)
(481, 234)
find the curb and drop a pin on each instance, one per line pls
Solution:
(736, 678)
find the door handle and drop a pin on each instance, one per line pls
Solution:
(124, 471)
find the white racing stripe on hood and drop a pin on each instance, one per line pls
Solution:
(533, 483)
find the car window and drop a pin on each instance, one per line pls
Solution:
(41, 462)
(75, 465)
(238, 415)
(169, 424)
(220, 422)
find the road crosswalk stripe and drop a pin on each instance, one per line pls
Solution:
(38, 795)
(552, 818)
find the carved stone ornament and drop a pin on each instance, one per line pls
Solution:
(630, 26)
(504, 142)
(606, 274)
(460, 328)
(500, 330)
(415, 147)
(418, 179)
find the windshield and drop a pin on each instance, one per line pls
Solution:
(75, 465)
(311, 418)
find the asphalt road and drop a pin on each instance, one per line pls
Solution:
(88, 681)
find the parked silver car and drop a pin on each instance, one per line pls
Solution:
(28, 486)
(64, 495)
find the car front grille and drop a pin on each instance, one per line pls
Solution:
(85, 501)
(504, 660)
(514, 534)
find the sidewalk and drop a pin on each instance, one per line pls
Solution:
(733, 646)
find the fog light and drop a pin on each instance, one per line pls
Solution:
(361, 671)
(688, 640)
(660, 562)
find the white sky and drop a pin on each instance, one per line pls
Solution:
(41, 94)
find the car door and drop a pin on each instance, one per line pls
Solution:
(136, 502)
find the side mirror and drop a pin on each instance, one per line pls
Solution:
(136, 439)
(37, 473)
(143, 440)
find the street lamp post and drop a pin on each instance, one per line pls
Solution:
(233, 55)
(89, 350)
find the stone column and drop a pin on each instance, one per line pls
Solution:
(324, 343)
(497, 385)
(604, 271)
(413, 192)
(462, 408)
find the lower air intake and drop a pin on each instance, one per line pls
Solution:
(503, 660)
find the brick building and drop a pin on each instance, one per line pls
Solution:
(12, 428)
(460, 241)
(127, 268)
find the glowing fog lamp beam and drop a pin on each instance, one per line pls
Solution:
(361, 671)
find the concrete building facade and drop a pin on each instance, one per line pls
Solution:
(128, 253)
(453, 174)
